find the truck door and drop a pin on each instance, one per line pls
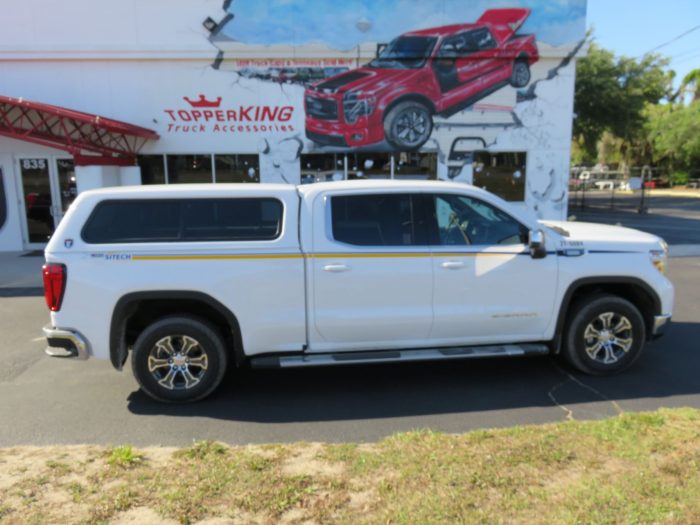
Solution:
(370, 272)
(463, 65)
(487, 287)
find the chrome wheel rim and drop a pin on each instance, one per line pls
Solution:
(412, 127)
(178, 362)
(608, 338)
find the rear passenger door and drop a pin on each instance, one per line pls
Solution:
(371, 272)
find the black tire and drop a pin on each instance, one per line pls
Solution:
(408, 125)
(520, 77)
(611, 357)
(150, 349)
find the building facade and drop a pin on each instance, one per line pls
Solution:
(96, 93)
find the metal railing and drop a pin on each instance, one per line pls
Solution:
(602, 188)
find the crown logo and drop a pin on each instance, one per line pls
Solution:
(203, 102)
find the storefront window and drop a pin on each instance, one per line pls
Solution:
(152, 169)
(237, 168)
(320, 168)
(67, 183)
(3, 202)
(184, 169)
(369, 166)
(502, 173)
(420, 166)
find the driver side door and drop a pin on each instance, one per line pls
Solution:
(486, 289)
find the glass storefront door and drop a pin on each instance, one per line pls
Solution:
(48, 188)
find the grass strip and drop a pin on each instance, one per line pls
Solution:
(633, 468)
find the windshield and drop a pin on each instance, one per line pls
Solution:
(405, 52)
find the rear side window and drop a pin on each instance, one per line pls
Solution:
(390, 219)
(180, 220)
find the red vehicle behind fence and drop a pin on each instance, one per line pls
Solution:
(419, 74)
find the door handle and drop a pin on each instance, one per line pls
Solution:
(452, 265)
(336, 268)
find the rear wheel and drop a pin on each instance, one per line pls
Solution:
(408, 125)
(605, 335)
(521, 74)
(179, 359)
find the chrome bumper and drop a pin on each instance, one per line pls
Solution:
(65, 343)
(660, 324)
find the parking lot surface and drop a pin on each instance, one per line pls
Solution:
(676, 219)
(52, 401)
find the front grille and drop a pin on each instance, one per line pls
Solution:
(321, 108)
(327, 140)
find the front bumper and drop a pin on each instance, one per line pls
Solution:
(366, 131)
(65, 343)
(661, 322)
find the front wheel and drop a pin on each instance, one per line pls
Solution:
(179, 359)
(605, 335)
(408, 125)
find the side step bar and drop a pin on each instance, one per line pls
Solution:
(395, 356)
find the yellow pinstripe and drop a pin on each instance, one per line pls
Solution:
(349, 255)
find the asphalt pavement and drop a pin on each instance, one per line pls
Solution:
(51, 401)
(675, 218)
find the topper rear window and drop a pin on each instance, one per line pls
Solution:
(184, 220)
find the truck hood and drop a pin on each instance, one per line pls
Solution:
(366, 79)
(603, 236)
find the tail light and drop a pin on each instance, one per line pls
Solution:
(54, 284)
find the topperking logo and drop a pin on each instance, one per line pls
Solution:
(202, 115)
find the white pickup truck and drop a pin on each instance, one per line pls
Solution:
(192, 279)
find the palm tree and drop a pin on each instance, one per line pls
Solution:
(691, 84)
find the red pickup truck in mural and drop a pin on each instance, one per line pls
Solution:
(417, 75)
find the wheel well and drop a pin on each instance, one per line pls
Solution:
(633, 290)
(523, 56)
(410, 98)
(135, 312)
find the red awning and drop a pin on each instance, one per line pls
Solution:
(91, 139)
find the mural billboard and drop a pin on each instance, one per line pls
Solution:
(452, 77)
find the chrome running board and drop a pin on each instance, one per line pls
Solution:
(396, 356)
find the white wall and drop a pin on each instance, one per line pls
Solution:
(62, 29)
(136, 61)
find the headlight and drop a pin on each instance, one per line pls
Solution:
(355, 105)
(659, 257)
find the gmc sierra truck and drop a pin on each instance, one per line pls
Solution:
(193, 279)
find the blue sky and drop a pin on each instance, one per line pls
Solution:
(340, 23)
(633, 27)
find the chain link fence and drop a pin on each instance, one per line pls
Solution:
(611, 189)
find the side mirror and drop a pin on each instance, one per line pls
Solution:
(536, 244)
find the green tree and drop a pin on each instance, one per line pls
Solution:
(673, 131)
(611, 94)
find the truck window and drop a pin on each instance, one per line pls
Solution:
(184, 220)
(466, 43)
(461, 220)
(390, 219)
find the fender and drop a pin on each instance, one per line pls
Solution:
(126, 306)
(592, 281)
